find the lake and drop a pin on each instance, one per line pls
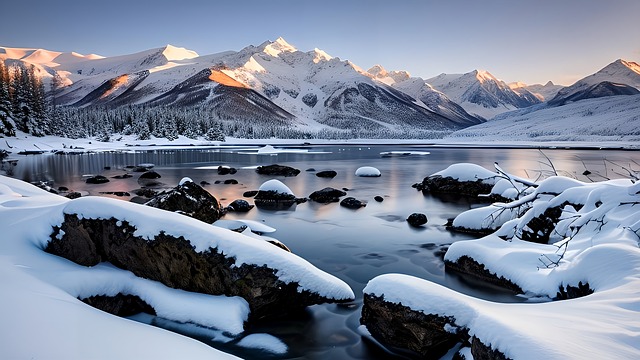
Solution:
(354, 245)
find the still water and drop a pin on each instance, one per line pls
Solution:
(354, 245)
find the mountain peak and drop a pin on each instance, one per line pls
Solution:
(484, 75)
(378, 71)
(178, 53)
(275, 48)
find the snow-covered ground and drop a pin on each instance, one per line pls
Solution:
(43, 318)
(595, 242)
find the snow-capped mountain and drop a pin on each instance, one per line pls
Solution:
(542, 92)
(481, 93)
(424, 93)
(311, 89)
(618, 72)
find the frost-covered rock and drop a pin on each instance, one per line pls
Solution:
(189, 199)
(368, 171)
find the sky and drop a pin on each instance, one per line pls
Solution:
(529, 41)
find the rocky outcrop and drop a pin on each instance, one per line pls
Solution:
(468, 266)
(327, 195)
(277, 170)
(437, 184)
(174, 262)
(417, 335)
(407, 331)
(189, 199)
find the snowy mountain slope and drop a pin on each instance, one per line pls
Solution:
(424, 94)
(598, 90)
(481, 93)
(619, 72)
(613, 118)
(542, 92)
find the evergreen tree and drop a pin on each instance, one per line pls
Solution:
(7, 125)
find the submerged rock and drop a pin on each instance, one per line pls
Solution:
(277, 170)
(327, 174)
(189, 199)
(149, 178)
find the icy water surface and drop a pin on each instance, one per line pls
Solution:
(354, 245)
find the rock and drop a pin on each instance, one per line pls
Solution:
(120, 305)
(123, 176)
(277, 170)
(98, 179)
(411, 332)
(539, 228)
(225, 170)
(311, 170)
(368, 171)
(73, 195)
(231, 182)
(250, 193)
(204, 183)
(116, 193)
(481, 351)
(240, 206)
(174, 262)
(273, 200)
(378, 198)
(63, 188)
(327, 174)
(417, 219)
(149, 178)
(148, 193)
(327, 195)
(352, 203)
(447, 185)
(189, 199)
(468, 266)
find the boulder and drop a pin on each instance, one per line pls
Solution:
(189, 199)
(240, 206)
(470, 267)
(274, 200)
(417, 219)
(327, 174)
(352, 203)
(149, 178)
(408, 331)
(378, 198)
(225, 170)
(250, 193)
(231, 182)
(98, 179)
(437, 185)
(327, 195)
(277, 170)
(175, 263)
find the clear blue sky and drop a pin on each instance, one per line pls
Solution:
(531, 41)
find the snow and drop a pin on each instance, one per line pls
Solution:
(255, 226)
(264, 342)
(368, 171)
(185, 180)
(468, 172)
(275, 185)
(41, 291)
(602, 250)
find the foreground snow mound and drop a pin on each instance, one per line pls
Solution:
(47, 285)
(587, 251)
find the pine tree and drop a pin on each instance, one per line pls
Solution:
(7, 125)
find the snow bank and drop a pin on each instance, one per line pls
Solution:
(597, 245)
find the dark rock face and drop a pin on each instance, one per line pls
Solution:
(327, 195)
(448, 185)
(149, 178)
(277, 170)
(481, 351)
(416, 334)
(540, 227)
(189, 199)
(408, 331)
(174, 262)
(352, 203)
(240, 206)
(417, 219)
(98, 179)
(469, 266)
(327, 174)
(120, 305)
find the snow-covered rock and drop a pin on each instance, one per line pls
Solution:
(368, 171)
